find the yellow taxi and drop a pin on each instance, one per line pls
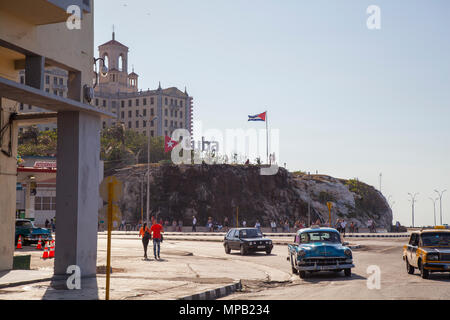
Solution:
(429, 251)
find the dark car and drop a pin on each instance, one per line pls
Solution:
(246, 240)
(29, 233)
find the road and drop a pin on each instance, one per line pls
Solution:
(191, 267)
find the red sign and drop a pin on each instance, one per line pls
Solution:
(45, 164)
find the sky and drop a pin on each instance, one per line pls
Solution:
(347, 101)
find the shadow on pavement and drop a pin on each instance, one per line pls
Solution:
(58, 289)
(330, 276)
(438, 277)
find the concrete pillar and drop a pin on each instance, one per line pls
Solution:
(8, 179)
(77, 183)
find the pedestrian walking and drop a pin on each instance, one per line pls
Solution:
(174, 225)
(273, 225)
(343, 226)
(194, 224)
(244, 223)
(258, 225)
(157, 229)
(286, 225)
(209, 224)
(145, 233)
(46, 223)
(180, 225)
(226, 223)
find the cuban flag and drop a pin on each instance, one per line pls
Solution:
(258, 117)
(169, 144)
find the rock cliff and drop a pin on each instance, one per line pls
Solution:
(179, 192)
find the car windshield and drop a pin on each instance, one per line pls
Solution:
(320, 236)
(24, 224)
(436, 239)
(250, 233)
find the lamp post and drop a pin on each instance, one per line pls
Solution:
(434, 209)
(413, 200)
(148, 166)
(440, 202)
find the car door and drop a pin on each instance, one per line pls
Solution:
(409, 248)
(235, 241)
(413, 250)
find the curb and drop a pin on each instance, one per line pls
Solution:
(215, 293)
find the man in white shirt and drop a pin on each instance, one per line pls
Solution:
(194, 224)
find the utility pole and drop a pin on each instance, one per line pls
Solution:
(434, 209)
(440, 202)
(413, 200)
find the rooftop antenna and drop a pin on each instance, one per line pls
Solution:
(113, 34)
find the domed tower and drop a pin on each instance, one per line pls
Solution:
(115, 55)
(133, 81)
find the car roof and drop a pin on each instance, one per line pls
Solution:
(317, 229)
(242, 228)
(432, 231)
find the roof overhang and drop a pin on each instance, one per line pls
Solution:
(25, 94)
(29, 119)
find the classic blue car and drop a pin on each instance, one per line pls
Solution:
(319, 249)
(30, 233)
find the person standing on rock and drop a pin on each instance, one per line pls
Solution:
(145, 233)
(157, 229)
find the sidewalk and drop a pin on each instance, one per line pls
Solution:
(22, 277)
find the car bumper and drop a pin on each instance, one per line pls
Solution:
(260, 247)
(326, 267)
(36, 239)
(437, 266)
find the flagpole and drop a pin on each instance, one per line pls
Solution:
(267, 137)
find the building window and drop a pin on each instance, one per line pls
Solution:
(137, 123)
(152, 133)
(61, 93)
(152, 113)
(176, 113)
(171, 123)
(165, 122)
(176, 124)
(171, 102)
(165, 112)
(144, 112)
(21, 106)
(104, 124)
(55, 92)
(45, 203)
(96, 102)
(152, 101)
(122, 114)
(129, 114)
(181, 103)
(145, 102)
(113, 104)
(166, 100)
(47, 90)
(137, 113)
(61, 81)
(137, 102)
(181, 114)
(144, 123)
(47, 79)
(104, 103)
(181, 124)
(129, 124)
(122, 104)
(129, 103)
(55, 80)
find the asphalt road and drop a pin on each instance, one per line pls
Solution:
(191, 267)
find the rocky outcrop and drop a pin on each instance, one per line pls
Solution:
(179, 192)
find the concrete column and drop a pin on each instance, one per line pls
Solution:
(77, 183)
(8, 179)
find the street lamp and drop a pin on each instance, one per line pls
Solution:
(434, 209)
(413, 200)
(148, 166)
(440, 201)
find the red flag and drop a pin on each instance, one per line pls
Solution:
(169, 144)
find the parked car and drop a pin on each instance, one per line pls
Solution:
(246, 240)
(30, 233)
(319, 249)
(428, 251)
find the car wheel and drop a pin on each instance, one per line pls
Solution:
(294, 271)
(243, 251)
(348, 272)
(268, 251)
(302, 274)
(227, 249)
(425, 274)
(409, 268)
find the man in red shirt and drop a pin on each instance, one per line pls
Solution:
(156, 230)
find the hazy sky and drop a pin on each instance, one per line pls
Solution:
(348, 101)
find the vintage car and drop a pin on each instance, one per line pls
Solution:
(319, 249)
(30, 233)
(246, 240)
(429, 251)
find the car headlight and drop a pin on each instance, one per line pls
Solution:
(433, 257)
(301, 253)
(348, 252)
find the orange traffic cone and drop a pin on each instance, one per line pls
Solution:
(52, 250)
(39, 245)
(45, 254)
(19, 243)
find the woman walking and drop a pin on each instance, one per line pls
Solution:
(145, 233)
